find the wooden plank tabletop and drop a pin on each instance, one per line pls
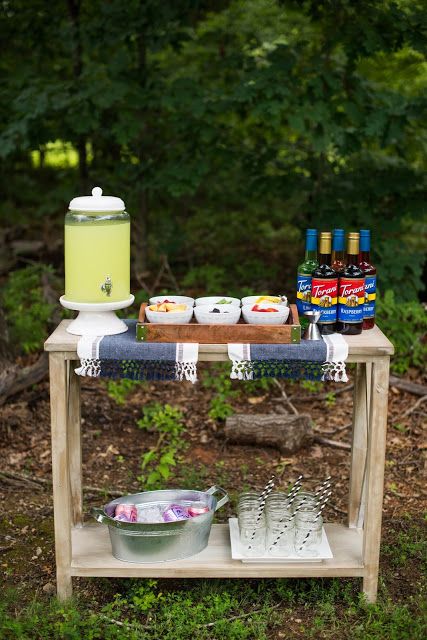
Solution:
(369, 343)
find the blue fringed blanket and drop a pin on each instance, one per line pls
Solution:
(121, 356)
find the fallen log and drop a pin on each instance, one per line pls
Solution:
(15, 379)
(287, 433)
(407, 385)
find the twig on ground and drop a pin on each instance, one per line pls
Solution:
(411, 410)
(332, 443)
(337, 430)
(324, 395)
(38, 482)
(285, 397)
(243, 615)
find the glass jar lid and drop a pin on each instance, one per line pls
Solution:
(97, 202)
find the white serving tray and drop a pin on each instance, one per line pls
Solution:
(238, 550)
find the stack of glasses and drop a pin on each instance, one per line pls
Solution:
(287, 525)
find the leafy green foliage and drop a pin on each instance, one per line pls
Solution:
(27, 312)
(157, 462)
(228, 127)
(221, 385)
(405, 324)
(119, 390)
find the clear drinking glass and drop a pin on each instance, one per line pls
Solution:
(308, 532)
(307, 498)
(252, 533)
(280, 532)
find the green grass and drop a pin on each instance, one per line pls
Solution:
(324, 609)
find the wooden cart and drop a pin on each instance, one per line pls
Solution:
(84, 549)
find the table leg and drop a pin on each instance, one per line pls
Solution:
(60, 473)
(375, 475)
(74, 444)
(359, 443)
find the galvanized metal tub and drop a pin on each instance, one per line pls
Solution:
(158, 542)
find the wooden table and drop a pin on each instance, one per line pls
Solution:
(84, 549)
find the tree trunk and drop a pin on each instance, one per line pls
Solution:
(287, 433)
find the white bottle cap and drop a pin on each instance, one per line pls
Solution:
(97, 202)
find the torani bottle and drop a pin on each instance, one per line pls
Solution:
(338, 251)
(324, 287)
(305, 271)
(351, 291)
(370, 274)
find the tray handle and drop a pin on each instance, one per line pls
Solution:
(225, 498)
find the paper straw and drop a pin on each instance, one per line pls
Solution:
(295, 487)
(324, 483)
(268, 488)
(262, 498)
(319, 513)
(322, 497)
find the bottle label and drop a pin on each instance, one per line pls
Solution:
(351, 300)
(303, 293)
(370, 296)
(324, 294)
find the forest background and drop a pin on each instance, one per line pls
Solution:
(227, 127)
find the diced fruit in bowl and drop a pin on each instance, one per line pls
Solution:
(265, 299)
(218, 314)
(218, 300)
(265, 313)
(168, 307)
(169, 313)
(171, 298)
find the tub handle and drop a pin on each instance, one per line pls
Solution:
(224, 494)
(99, 515)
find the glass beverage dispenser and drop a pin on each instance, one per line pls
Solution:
(97, 263)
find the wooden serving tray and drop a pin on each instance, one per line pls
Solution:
(289, 333)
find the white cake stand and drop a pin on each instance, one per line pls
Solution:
(96, 319)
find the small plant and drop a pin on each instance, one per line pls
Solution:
(157, 462)
(330, 399)
(220, 408)
(119, 390)
(312, 386)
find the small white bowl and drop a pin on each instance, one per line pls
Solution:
(169, 317)
(229, 315)
(263, 317)
(178, 299)
(252, 300)
(213, 300)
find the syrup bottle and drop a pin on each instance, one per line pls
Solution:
(324, 287)
(338, 251)
(351, 291)
(305, 270)
(370, 273)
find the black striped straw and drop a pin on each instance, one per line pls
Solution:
(322, 497)
(268, 488)
(318, 514)
(295, 487)
(324, 483)
(262, 499)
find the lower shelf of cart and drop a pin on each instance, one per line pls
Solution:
(92, 557)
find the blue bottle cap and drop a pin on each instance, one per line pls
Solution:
(338, 240)
(365, 240)
(311, 232)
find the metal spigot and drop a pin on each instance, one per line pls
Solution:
(107, 286)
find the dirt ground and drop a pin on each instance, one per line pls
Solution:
(113, 444)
